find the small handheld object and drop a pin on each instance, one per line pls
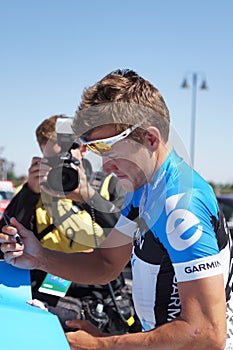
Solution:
(17, 236)
(54, 285)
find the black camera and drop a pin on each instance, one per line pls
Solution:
(62, 178)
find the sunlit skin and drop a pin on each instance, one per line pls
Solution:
(38, 171)
(134, 164)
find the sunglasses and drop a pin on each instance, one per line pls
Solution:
(105, 145)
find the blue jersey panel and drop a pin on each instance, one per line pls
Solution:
(178, 207)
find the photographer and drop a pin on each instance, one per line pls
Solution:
(60, 223)
(39, 207)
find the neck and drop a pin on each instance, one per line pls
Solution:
(159, 158)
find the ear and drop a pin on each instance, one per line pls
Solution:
(152, 138)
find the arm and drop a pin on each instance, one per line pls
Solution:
(97, 267)
(107, 212)
(201, 325)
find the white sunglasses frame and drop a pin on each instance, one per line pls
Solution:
(110, 141)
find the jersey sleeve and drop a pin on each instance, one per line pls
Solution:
(190, 238)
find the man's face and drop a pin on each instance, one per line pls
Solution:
(129, 160)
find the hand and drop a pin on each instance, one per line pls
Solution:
(87, 337)
(37, 303)
(83, 193)
(37, 173)
(86, 326)
(81, 340)
(25, 256)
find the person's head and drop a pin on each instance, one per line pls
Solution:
(122, 101)
(122, 98)
(46, 136)
(59, 157)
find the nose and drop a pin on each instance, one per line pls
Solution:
(109, 165)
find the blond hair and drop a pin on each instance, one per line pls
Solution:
(122, 98)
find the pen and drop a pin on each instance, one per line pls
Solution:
(17, 236)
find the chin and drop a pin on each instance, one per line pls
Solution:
(127, 185)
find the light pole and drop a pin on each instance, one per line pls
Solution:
(203, 86)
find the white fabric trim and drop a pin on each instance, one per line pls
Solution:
(200, 268)
(126, 226)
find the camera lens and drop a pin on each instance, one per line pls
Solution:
(63, 178)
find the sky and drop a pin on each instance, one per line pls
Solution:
(50, 50)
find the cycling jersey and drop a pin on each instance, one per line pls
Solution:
(179, 234)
